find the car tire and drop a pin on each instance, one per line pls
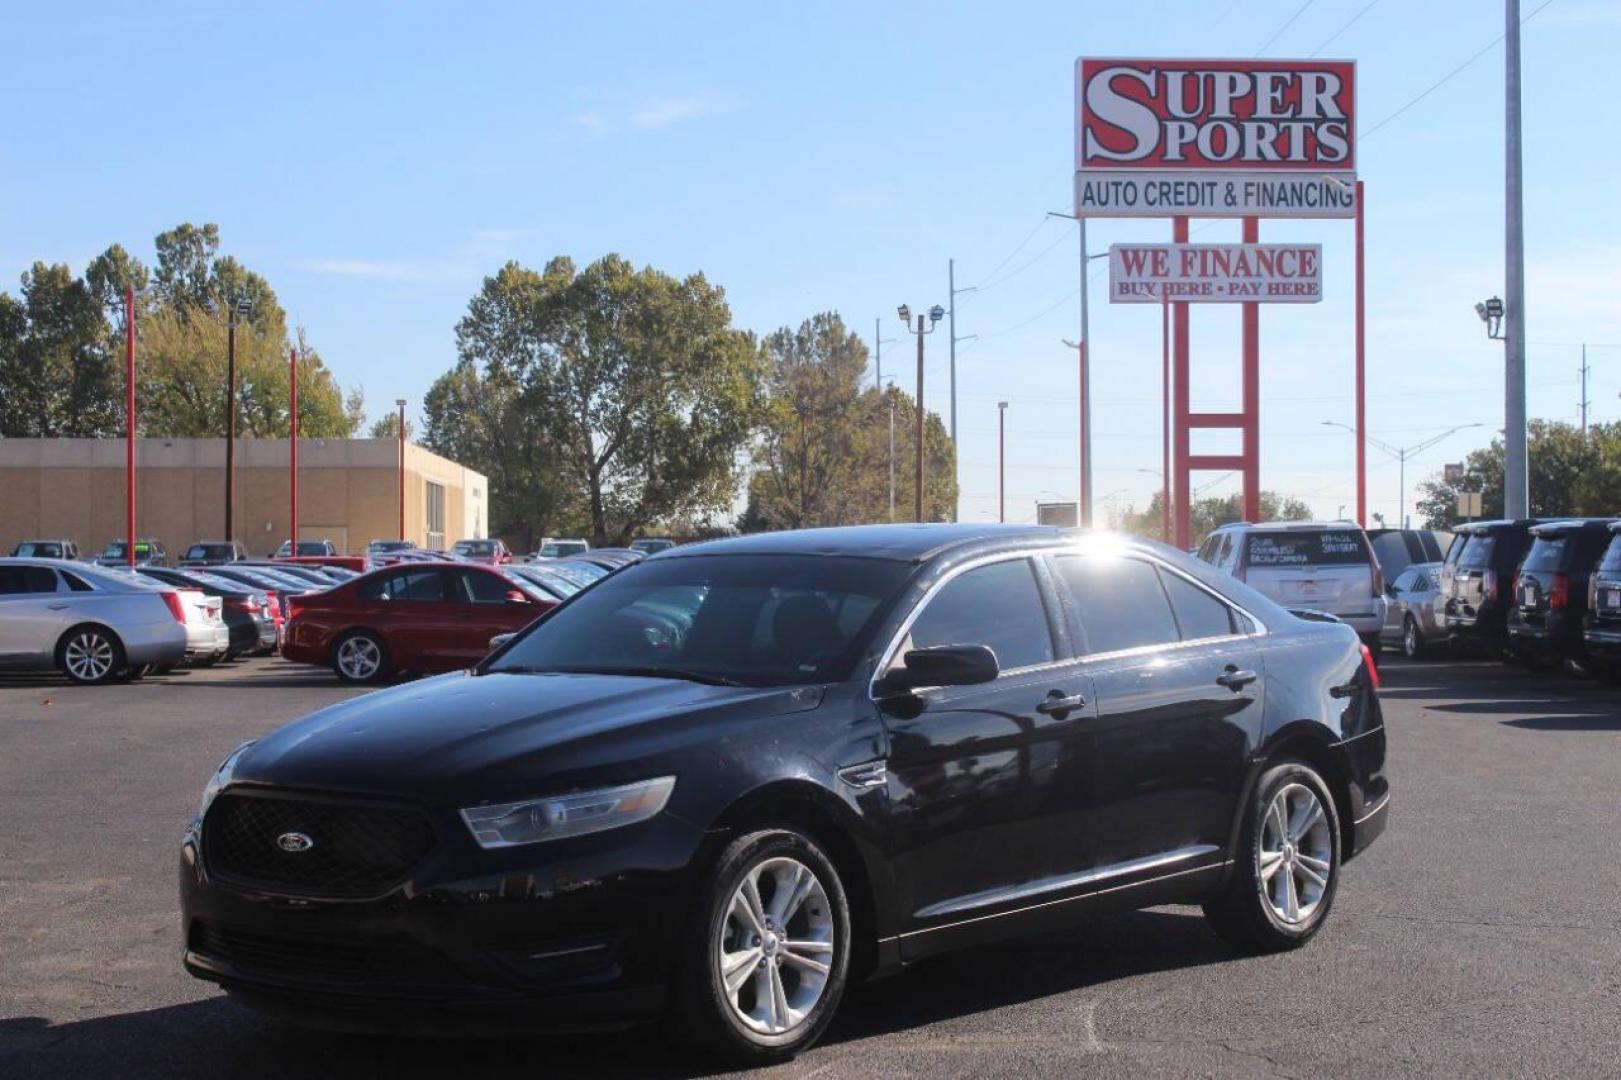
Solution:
(1287, 867)
(360, 657)
(90, 655)
(1412, 642)
(759, 984)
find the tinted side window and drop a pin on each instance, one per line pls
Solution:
(1199, 614)
(76, 583)
(998, 605)
(484, 588)
(18, 580)
(1120, 601)
(1407, 579)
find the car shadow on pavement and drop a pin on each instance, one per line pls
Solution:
(217, 1037)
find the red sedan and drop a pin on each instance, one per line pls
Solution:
(412, 617)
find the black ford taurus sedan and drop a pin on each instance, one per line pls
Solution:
(722, 783)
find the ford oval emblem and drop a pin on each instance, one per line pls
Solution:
(294, 842)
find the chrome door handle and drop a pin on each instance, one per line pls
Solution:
(1055, 702)
(60, 605)
(1234, 679)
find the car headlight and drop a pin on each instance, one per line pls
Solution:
(222, 776)
(534, 820)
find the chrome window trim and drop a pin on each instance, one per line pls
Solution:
(887, 657)
(1261, 629)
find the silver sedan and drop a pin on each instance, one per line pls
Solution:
(92, 625)
(1411, 618)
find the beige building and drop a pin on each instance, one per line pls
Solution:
(348, 492)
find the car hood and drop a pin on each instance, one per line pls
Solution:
(489, 737)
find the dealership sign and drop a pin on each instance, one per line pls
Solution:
(1215, 138)
(1216, 273)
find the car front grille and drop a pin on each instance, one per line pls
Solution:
(352, 849)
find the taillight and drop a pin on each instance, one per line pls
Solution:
(176, 607)
(293, 607)
(1558, 592)
(1489, 584)
(1373, 668)
(248, 606)
(1376, 579)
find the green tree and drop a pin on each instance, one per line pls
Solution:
(1209, 514)
(1569, 474)
(387, 426)
(57, 375)
(646, 392)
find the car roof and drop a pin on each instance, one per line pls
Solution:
(1564, 525)
(901, 543)
(1477, 527)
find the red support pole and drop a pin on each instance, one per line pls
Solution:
(402, 470)
(1165, 416)
(129, 413)
(1252, 393)
(293, 469)
(1181, 482)
(1361, 377)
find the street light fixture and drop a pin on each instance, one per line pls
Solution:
(1401, 454)
(400, 402)
(237, 311)
(924, 326)
(1491, 313)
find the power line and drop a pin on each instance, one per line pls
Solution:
(1290, 21)
(1021, 245)
(1022, 267)
(1331, 38)
(1488, 47)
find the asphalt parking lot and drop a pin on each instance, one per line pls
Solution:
(1480, 936)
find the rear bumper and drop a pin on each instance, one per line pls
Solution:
(160, 643)
(206, 641)
(1603, 641)
(1558, 635)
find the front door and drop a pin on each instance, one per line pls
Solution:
(987, 783)
(1178, 684)
(483, 609)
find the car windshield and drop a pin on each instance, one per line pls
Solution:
(757, 620)
(1331, 547)
(557, 549)
(29, 549)
(478, 548)
(1546, 552)
(388, 547)
(1477, 550)
(118, 549)
(208, 551)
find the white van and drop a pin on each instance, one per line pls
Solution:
(1320, 565)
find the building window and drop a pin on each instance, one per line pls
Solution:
(435, 502)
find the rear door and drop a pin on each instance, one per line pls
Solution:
(1607, 584)
(1179, 696)
(33, 615)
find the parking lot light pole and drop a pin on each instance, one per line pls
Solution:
(240, 307)
(401, 403)
(1001, 461)
(925, 325)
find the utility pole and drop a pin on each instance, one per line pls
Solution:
(401, 403)
(230, 422)
(292, 467)
(1001, 461)
(1585, 402)
(1086, 391)
(891, 453)
(129, 419)
(951, 286)
(1516, 496)
(878, 343)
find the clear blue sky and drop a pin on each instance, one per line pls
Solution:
(375, 162)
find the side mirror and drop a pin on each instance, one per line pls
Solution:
(1390, 590)
(516, 597)
(946, 665)
(499, 640)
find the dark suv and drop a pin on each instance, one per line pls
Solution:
(1550, 594)
(1479, 578)
(1602, 623)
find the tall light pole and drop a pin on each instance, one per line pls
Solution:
(1516, 483)
(401, 403)
(292, 470)
(936, 313)
(129, 418)
(1001, 461)
(951, 286)
(1083, 349)
(1401, 454)
(240, 308)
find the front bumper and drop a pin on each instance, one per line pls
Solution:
(579, 935)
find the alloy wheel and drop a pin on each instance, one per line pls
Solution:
(776, 950)
(1297, 852)
(359, 657)
(88, 656)
(1409, 640)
